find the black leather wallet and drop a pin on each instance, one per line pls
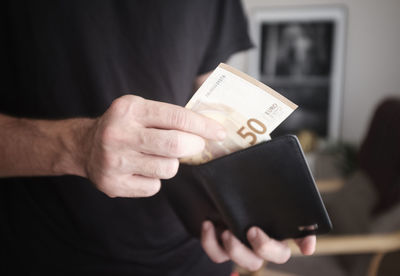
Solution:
(268, 185)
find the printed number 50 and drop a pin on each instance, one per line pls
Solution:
(256, 126)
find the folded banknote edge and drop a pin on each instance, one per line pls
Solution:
(258, 84)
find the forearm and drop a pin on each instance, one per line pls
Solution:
(31, 147)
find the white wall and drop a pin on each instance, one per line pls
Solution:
(372, 65)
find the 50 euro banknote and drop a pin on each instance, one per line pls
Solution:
(248, 109)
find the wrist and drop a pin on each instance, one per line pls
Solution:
(75, 139)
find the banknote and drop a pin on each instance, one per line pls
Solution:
(248, 109)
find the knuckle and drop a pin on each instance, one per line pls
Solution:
(125, 104)
(141, 108)
(142, 137)
(115, 161)
(119, 105)
(135, 99)
(174, 145)
(154, 168)
(146, 138)
(179, 118)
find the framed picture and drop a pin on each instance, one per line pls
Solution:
(300, 53)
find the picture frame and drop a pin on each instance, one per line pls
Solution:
(300, 52)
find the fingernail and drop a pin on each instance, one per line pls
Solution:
(221, 134)
(252, 233)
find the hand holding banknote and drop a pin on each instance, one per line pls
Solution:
(137, 142)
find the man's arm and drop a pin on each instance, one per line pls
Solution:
(125, 152)
(42, 147)
(31, 147)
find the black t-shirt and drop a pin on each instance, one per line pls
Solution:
(72, 58)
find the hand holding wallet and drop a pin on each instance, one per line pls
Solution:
(268, 185)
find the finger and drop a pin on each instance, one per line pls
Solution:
(239, 253)
(307, 245)
(156, 167)
(132, 186)
(144, 186)
(210, 243)
(267, 248)
(168, 143)
(167, 116)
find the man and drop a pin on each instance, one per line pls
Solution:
(90, 123)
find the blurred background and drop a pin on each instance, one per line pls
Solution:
(340, 62)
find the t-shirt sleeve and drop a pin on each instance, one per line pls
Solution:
(229, 35)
